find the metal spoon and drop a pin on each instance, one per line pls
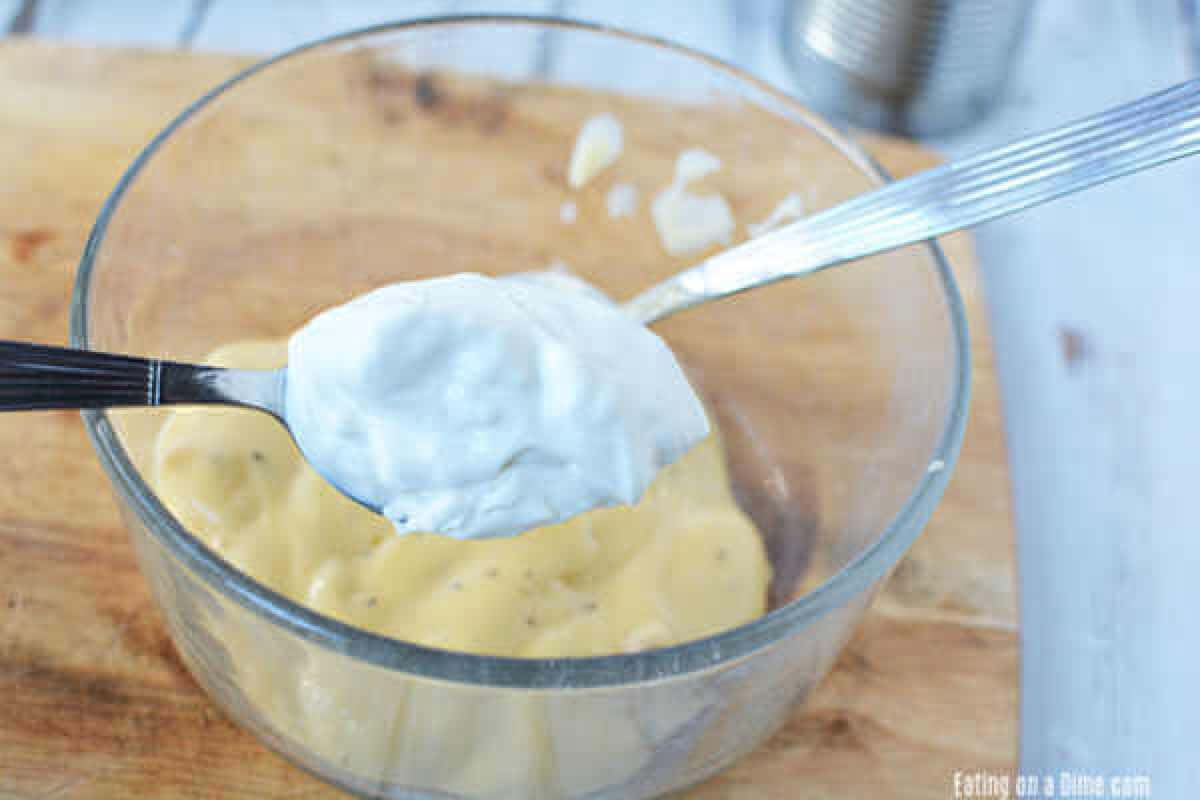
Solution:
(1129, 138)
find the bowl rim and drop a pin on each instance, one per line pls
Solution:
(667, 663)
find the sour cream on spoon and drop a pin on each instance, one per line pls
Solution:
(479, 407)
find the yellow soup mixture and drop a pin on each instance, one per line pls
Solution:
(683, 563)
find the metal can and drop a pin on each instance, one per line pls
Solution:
(916, 67)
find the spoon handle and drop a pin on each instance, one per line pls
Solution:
(38, 376)
(1142, 134)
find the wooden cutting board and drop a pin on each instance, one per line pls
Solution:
(94, 702)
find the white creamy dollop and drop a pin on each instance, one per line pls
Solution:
(479, 407)
(598, 146)
(688, 222)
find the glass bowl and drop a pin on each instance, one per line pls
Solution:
(415, 149)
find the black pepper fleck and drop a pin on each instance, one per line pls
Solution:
(259, 456)
(531, 622)
(372, 602)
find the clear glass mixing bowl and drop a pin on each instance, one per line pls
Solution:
(409, 150)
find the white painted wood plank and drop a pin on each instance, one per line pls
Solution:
(703, 24)
(1175, 435)
(706, 25)
(758, 29)
(148, 24)
(8, 13)
(263, 26)
(745, 34)
(1096, 343)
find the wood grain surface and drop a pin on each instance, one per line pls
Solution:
(95, 704)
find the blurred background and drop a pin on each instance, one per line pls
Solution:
(1092, 300)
